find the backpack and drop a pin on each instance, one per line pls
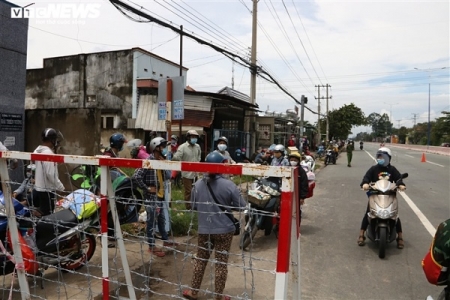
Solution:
(436, 262)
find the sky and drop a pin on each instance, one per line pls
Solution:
(380, 55)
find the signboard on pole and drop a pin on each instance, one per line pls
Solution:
(162, 111)
(178, 98)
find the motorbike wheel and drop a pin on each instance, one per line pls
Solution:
(248, 235)
(88, 246)
(382, 242)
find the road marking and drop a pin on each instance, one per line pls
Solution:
(409, 155)
(428, 226)
(426, 223)
(430, 162)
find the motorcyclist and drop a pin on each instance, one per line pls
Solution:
(47, 177)
(361, 144)
(24, 191)
(116, 142)
(294, 161)
(174, 143)
(278, 156)
(222, 144)
(385, 169)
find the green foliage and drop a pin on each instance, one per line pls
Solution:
(182, 221)
(242, 179)
(381, 126)
(342, 120)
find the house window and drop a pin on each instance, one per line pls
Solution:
(231, 126)
(110, 122)
(264, 132)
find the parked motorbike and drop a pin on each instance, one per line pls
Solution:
(59, 240)
(262, 209)
(383, 213)
(360, 146)
(330, 157)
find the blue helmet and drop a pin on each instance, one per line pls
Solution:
(117, 140)
(215, 157)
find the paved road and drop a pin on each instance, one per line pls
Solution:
(334, 266)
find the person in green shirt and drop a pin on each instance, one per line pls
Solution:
(350, 148)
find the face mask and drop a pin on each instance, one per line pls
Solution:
(380, 161)
(193, 141)
(28, 174)
(222, 147)
(164, 151)
(294, 163)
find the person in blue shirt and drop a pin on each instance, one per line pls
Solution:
(215, 228)
(278, 157)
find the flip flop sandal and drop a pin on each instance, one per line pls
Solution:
(188, 295)
(400, 244)
(361, 240)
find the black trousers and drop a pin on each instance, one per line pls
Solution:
(43, 201)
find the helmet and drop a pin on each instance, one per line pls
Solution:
(222, 138)
(278, 147)
(174, 137)
(117, 140)
(31, 167)
(191, 132)
(384, 150)
(272, 147)
(215, 157)
(52, 135)
(296, 155)
(156, 142)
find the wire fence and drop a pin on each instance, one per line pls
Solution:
(71, 259)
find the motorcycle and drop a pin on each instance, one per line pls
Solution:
(330, 157)
(58, 240)
(309, 160)
(320, 151)
(360, 146)
(383, 213)
(262, 210)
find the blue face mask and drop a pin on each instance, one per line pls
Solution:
(164, 151)
(380, 161)
(193, 141)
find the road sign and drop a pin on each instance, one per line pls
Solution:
(178, 110)
(162, 111)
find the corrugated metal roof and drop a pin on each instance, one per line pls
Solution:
(235, 94)
(147, 115)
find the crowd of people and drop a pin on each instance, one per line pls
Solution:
(208, 196)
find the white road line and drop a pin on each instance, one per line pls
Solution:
(430, 162)
(428, 226)
(426, 223)
(409, 155)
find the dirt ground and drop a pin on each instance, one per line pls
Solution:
(251, 274)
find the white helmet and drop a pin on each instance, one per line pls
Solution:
(385, 150)
(157, 141)
(278, 147)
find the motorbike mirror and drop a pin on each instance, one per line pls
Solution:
(134, 143)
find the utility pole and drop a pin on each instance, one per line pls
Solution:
(253, 76)
(398, 125)
(327, 98)
(318, 115)
(180, 128)
(414, 118)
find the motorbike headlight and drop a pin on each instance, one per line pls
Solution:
(383, 214)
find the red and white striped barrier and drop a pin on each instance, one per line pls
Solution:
(288, 253)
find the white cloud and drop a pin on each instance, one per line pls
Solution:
(363, 47)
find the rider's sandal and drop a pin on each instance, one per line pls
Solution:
(400, 244)
(189, 294)
(361, 240)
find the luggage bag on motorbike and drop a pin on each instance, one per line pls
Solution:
(258, 198)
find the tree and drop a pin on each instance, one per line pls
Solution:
(381, 126)
(440, 129)
(342, 120)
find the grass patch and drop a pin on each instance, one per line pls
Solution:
(181, 219)
(242, 179)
